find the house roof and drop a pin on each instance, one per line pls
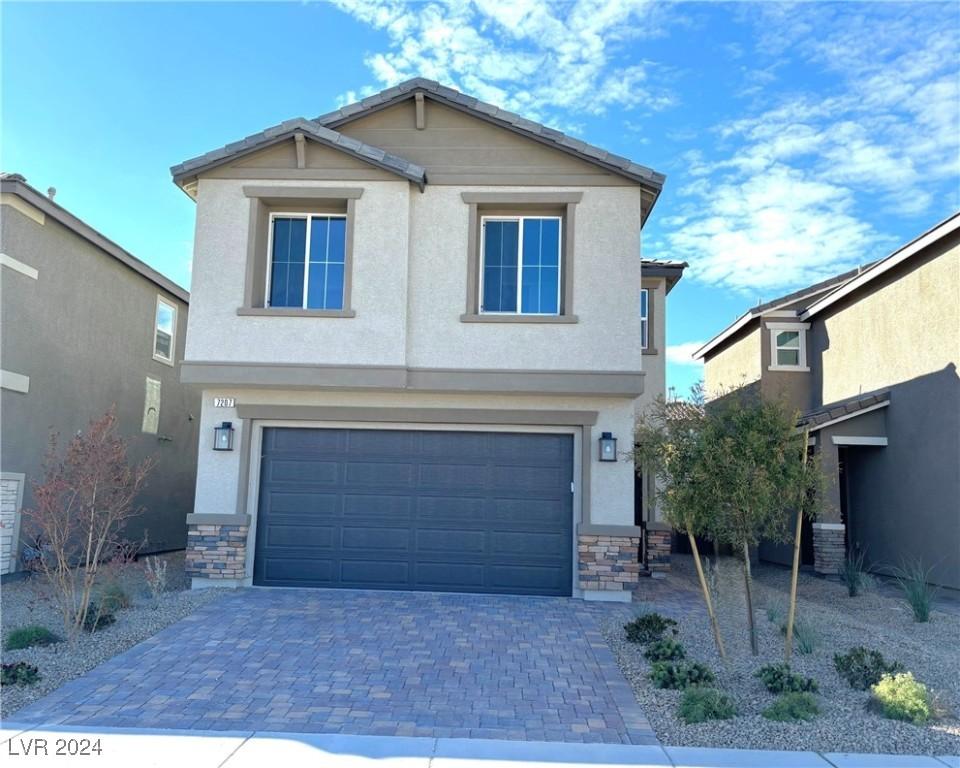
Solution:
(884, 265)
(15, 184)
(324, 129)
(805, 295)
(309, 129)
(667, 268)
(492, 113)
(843, 409)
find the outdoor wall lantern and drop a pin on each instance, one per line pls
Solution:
(608, 447)
(223, 437)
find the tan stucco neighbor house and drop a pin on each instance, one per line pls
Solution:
(414, 319)
(870, 359)
(85, 325)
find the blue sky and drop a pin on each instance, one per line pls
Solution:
(798, 140)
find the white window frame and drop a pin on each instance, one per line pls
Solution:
(644, 319)
(801, 329)
(306, 255)
(483, 262)
(173, 335)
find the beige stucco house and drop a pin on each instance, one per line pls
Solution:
(870, 359)
(417, 316)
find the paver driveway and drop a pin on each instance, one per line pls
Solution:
(390, 663)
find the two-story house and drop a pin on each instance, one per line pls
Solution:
(85, 325)
(869, 358)
(419, 328)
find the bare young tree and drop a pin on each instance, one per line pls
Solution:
(80, 510)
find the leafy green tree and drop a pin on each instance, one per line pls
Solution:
(733, 470)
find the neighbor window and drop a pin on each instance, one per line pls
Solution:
(644, 318)
(520, 270)
(307, 261)
(788, 348)
(165, 331)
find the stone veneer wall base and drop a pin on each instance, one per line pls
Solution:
(216, 552)
(659, 541)
(829, 547)
(607, 562)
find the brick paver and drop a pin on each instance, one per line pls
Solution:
(359, 662)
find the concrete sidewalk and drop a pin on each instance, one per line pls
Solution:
(38, 745)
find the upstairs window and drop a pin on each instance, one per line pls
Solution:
(644, 318)
(165, 331)
(788, 346)
(307, 261)
(520, 270)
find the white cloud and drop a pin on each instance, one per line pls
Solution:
(682, 354)
(788, 194)
(531, 56)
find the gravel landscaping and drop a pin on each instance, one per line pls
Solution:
(877, 620)
(27, 602)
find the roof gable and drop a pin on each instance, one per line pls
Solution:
(289, 130)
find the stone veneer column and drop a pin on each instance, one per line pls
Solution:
(608, 562)
(829, 547)
(659, 540)
(217, 548)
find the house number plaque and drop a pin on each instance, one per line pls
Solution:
(224, 402)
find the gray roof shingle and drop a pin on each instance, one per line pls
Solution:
(819, 416)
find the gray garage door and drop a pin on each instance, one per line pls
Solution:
(392, 509)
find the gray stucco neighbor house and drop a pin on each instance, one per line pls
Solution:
(86, 325)
(870, 359)
(422, 321)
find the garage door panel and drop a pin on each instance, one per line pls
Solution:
(375, 573)
(378, 505)
(440, 576)
(300, 440)
(449, 508)
(375, 538)
(530, 479)
(304, 504)
(451, 540)
(304, 471)
(319, 536)
(293, 569)
(537, 512)
(525, 543)
(376, 443)
(405, 509)
(379, 474)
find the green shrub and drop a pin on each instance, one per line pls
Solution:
(779, 679)
(701, 704)
(681, 675)
(97, 618)
(805, 637)
(665, 650)
(900, 697)
(792, 708)
(914, 580)
(113, 598)
(862, 667)
(776, 613)
(19, 673)
(27, 637)
(649, 627)
(852, 574)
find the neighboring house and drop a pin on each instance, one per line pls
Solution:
(85, 325)
(417, 316)
(870, 359)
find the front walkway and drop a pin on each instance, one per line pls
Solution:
(376, 663)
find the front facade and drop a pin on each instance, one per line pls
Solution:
(418, 315)
(870, 360)
(86, 326)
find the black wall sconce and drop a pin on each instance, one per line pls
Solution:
(608, 447)
(223, 437)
